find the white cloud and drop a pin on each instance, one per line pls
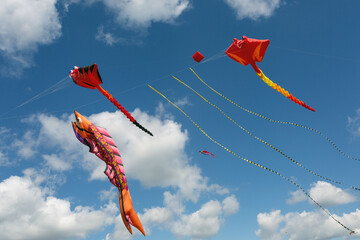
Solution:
(305, 225)
(200, 224)
(158, 161)
(107, 38)
(353, 124)
(24, 25)
(329, 195)
(310, 225)
(230, 205)
(141, 14)
(297, 196)
(30, 213)
(4, 160)
(253, 9)
(56, 163)
(269, 224)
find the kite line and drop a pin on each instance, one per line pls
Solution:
(254, 163)
(276, 121)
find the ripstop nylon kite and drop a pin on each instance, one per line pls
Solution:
(89, 77)
(103, 146)
(249, 51)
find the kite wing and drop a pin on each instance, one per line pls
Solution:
(103, 146)
(249, 51)
(89, 77)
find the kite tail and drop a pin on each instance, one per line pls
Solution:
(276, 121)
(282, 90)
(263, 141)
(122, 109)
(254, 163)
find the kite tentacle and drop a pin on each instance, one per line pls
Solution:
(277, 121)
(282, 90)
(122, 109)
(254, 163)
(264, 142)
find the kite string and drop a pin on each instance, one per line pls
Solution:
(276, 121)
(263, 141)
(253, 163)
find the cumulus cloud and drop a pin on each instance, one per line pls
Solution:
(158, 161)
(141, 14)
(253, 9)
(305, 225)
(230, 205)
(31, 213)
(24, 26)
(329, 195)
(310, 225)
(297, 196)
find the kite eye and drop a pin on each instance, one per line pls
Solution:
(78, 120)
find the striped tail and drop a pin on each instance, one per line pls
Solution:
(282, 90)
(122, 109)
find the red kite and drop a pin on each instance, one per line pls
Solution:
(249, 51)
(89, 77)
(198, 57)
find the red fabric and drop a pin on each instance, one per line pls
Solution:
(198, 57)
(87, 77)
(247, 50)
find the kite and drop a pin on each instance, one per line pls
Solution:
(207, 153)
(254, 163)
(198, 57)
(103, 146)
(89, 77)
(249, 51)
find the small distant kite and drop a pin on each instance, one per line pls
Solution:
(89, 77)
(198, 57)
(103, 146)
(249, 51)
(207, 153)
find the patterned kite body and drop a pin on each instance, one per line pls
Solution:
(89, 77)
(249, 51)
(103, 146)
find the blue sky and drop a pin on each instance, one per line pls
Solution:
(53, 188)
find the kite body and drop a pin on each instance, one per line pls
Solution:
(89, 77)
(249, 51)
(207, 153)
(103, 146)
(198, 57)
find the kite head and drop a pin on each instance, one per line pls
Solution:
(247, 50)
(81, 126)
(88, 77)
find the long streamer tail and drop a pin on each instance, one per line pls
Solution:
(265, 142)
(282, 90)
(254, 163)
(122, 109)
(276, 121)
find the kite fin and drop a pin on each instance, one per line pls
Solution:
(129, 215)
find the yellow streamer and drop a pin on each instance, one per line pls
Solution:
(253, 163)
(263, 141)
(276, 121)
